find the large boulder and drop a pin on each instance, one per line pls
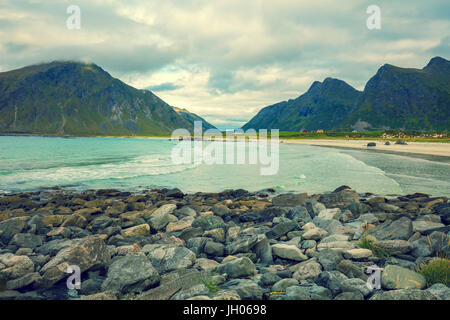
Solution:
(162, 216)
(130, 273)
(167, 257)
(333, 280)
(394, 247)
(395, 277)
(239, 267)
(13, 266)
(423, 226)
(401, 229)
(10, 227)
(86, 253)
(247, 289)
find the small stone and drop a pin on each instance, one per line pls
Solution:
(142, 230)
(289, 252)
(307, 270)
(357, 254)
(314, 234)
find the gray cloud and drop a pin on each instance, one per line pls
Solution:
(223, 58)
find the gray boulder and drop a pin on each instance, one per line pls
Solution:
(166, 257)
(239, 267)
(247, 289)
(130, 273)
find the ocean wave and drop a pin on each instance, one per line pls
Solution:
(138, 167)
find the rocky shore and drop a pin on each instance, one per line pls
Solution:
(163, 244)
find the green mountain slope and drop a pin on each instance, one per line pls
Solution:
(71, 98)
(395, 98)
(324, 106)
(400, 98)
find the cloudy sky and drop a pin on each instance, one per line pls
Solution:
(226, 59)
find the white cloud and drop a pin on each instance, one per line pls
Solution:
(226, 59)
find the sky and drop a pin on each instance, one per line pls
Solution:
(226, 59)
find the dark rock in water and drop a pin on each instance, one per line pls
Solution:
(233, 193)
(174, 193)
(371, 144)
(339, 189)
(107, 193)
(400, 141)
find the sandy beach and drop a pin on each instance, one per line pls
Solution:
(424, 148)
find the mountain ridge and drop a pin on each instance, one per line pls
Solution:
(394, 98)
(76, 98)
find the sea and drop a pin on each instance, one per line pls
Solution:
(30, 163)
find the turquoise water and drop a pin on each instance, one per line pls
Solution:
(30, 163)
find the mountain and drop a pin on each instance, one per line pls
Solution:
(324, 106)
(395, 98)
(72, 98)
(400, 98)
(191, 117)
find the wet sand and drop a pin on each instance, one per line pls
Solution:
(423, 148)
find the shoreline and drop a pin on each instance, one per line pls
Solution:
(248, 245)
(412, 148)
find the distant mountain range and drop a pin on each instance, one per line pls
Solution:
(71, 98)
(395, 98)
